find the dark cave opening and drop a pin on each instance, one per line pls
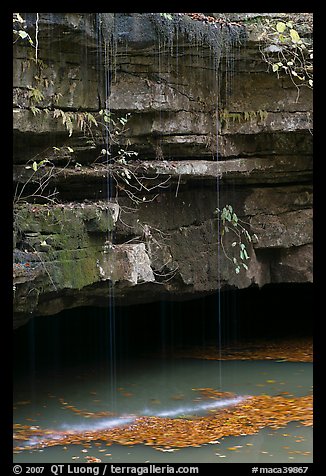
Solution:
(92, 334)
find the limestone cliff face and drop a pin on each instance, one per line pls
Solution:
(208, 126)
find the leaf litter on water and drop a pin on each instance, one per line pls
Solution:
(245, 418)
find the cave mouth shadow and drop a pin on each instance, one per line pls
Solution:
(85, 334)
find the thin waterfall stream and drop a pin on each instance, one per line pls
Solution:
(151, 364)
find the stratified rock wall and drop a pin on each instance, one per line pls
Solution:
(209, 126)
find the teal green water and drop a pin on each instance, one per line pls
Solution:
(153, 386)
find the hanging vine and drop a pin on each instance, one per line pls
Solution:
(229, 222)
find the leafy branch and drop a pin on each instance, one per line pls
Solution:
(286, 52)
(43, 172)
(231, 223)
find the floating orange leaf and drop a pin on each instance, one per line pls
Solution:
(92, 459)
(127, 394)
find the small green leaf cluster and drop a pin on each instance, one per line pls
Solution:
(231, 223)
(109, 117)
(167, 16)
(60, 149)
(36, 165)
(36, 110)
(119, 164)
(35, 95)
(113, 125)
(83, 120)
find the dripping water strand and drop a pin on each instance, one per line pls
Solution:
(219, 310)
(234, 64)
(108, 63)
(105, 65)
(36, 36)
(232, 58)
(214, 55)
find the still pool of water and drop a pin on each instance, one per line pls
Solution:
(157, 387)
